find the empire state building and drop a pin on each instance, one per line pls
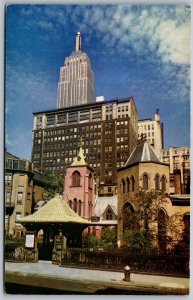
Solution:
(76, 84)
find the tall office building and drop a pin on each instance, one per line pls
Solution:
(76, 84)
(153, 129)
(178, 159)
(108, 130)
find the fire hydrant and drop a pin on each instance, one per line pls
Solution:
(127, 272)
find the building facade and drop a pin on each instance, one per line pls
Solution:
(169, 218)
(79, 187)
(178, 159)
(23, 188)
(142, 171)
(76, 84)
(153, 129)
(108, 130)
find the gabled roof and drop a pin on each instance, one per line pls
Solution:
(9, 155)
(143, 152)
(112, 208)
(55, 211)
(102, 203)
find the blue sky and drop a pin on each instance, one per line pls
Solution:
(135, 50)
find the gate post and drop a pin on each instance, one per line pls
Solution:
(31, 249)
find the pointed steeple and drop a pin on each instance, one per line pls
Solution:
(80, 159)
(78, 41)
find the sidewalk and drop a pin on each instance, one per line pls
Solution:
(45, 274)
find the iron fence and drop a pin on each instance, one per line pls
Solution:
(116, 261)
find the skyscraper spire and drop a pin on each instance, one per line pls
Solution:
(78, 41)
(76, 84)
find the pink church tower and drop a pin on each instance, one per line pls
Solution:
(79, 186)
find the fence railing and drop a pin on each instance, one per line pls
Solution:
(117, 260)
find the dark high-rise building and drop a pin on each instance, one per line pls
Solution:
(76, 84)
(108, 130)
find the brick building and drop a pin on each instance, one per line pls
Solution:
(23, 188)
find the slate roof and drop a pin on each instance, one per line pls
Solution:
(55, 211)
(103, 202)
(143, 152)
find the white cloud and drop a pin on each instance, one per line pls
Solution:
(165, 28)
(45, 25)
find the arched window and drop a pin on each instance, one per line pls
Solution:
(145, 181)
(123, 186)
(90, 181)
(90, 208)
(129, 221)
(75, 204)
(163, 183)
(128, 185)
(76, 179)
(162, 229)
(70, 203)
(79, 207)
(157, 182)
(109, 215)
(132, 183)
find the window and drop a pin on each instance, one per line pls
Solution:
(128, 185)
(123, 186)
(90, 181)
(6, 219)
(70, 203)
(163, 183)
(145, 181)
(17, 218)
(8, 178)
(76, 179)
(79, 207)
(75, 204)
(19, 197)
(157, 182)
(132, 183)
(7, 197)
(109, 215)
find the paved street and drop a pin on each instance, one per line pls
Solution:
(45, 274)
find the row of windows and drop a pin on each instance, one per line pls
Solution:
(149, 134)
(146, 127)
(19, 197)
(76, 205)
(128, 184)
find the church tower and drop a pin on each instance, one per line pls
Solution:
(79, 186)
(76, 84)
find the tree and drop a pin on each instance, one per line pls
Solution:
(144, 235)
(134, 240)
(109, 237)
(149, 203)
(53, 184)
